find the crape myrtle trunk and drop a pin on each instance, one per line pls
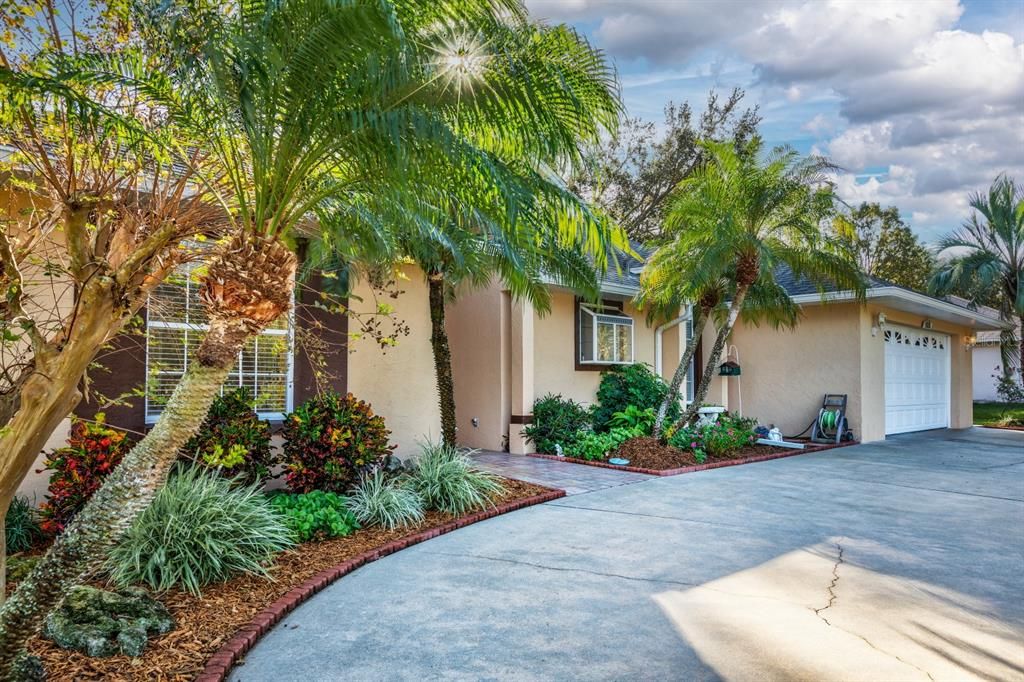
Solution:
(442, 358)
(248, 286)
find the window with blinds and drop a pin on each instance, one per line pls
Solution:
(176, 323)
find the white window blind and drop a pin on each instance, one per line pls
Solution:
(606, 337)
(175, 325)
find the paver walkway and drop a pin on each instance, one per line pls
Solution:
(572, 478)
(898, 560)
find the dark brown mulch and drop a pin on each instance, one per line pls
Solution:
(650, 453)
(205, 623)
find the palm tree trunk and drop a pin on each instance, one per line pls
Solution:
(699, 323)
(716, 351)
(245, 290)
(50, 392)
(442, 358)
(1020, 360)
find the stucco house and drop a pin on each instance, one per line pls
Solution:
(903, 358)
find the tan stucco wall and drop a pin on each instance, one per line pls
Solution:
(398, 382)
(555, 349)
(478, 332)
(787, 372)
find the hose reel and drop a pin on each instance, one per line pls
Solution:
(831, 424)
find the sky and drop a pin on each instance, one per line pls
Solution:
(920, 102)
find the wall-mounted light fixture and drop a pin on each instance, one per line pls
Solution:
(879, 324)
(970, 341)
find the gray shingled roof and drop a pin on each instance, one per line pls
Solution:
(623, 275)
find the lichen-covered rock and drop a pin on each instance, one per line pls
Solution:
(28, 668)
(102, 623)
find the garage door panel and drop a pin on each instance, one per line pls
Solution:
(916, 380)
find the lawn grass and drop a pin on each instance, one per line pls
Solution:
(992, 414)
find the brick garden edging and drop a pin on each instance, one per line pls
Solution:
(697, 467)
(218, 665)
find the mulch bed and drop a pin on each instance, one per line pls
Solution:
(649, 456)
(1003, 428)
(205, 624)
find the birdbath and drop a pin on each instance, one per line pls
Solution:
(708, 414)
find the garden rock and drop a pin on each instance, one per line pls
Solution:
(101, 623)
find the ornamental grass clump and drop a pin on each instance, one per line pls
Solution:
(200, 529)
(21, 527)
(448, 480)
(389, 502)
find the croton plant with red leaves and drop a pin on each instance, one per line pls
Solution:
(330, 440)
(78, 469)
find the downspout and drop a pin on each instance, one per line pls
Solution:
(661, 330)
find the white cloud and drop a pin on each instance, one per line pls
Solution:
(933, 110)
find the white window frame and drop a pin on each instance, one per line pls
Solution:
(620, 320)
(289, 331)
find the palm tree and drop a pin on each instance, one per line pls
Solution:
(298, 102)
(508, 215)
(739, 217)
(988, 260)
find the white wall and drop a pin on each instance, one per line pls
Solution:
(986, 359)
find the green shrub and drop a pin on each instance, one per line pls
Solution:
(635, 418)
(634, 385)
(330, 440)
(385, 501)
(78, 469)
(233, 440)
(596, 446)
(21, 529)
(315, 515)
(101, 623)
(556, 421)
(721, 440)
(448, 480)
(200, 529)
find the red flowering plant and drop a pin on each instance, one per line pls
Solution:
(330, 440)
(78, 469)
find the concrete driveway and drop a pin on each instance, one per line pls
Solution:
(900, 560)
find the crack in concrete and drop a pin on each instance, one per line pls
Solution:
(649, 516)
(568, 569)
(934, 490)
(832, 597)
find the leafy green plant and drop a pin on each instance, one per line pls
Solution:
(200, 529)
(381, 500)
(640, 420)
(78, 469)
(596, 446)
(632, 385)
(448, 480)
(22, 529)
(316, 515)
(233, 440)
(330, 440)
(556, 421)
(721, 440)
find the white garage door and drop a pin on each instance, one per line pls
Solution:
(916, 380)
